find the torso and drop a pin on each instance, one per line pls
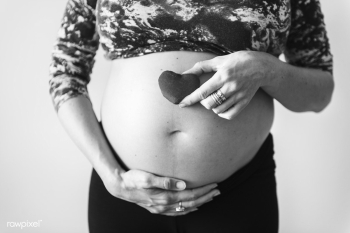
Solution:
(194, 144)
(147, 131)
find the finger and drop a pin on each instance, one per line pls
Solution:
(201, 67)
(146, 206)
(192, 194)
(203, 91)
(144, 180)
(173, 198)
(201, 200)
(157, 209)
(166, 183)
(165, 210)
(209, 102)
(180, 213)
(227, 90)
(192, 203)
(228, 103)
(235, 110)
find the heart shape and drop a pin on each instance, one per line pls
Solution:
(175, 87)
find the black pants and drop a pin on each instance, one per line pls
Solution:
(248, 203)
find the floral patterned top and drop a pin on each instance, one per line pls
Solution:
(130, 28)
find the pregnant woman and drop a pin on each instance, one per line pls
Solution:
(205, 165)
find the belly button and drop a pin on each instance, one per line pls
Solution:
(174, 132)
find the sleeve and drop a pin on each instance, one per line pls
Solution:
(74, 52)
(307, 44)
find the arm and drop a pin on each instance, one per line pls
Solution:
(309, 88)
(79, 121)
(299, 89)
(73, 58)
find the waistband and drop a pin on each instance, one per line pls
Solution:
(262, 162)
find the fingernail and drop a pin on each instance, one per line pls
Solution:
(182, 105)
(180, 185)
(217, 193)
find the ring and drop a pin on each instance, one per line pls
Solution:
(221, 95)
(180, 208)
(218, 97)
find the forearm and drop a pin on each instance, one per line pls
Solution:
(79, 120)
(299, 89)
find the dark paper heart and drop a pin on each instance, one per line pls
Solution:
(175, 87)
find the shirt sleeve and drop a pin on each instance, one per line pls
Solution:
(74, 52)
(307, 43)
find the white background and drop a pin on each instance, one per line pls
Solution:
(43, 176)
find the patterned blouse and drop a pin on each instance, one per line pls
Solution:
(130, 28)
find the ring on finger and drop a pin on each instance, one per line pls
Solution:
(221, 95)
(218, 97)
(180, 208)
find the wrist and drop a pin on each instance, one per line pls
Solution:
(111, 176)
(108, 168)
(273, 72)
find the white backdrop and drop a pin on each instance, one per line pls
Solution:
(44, 178)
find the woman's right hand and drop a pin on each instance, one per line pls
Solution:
(159, 195)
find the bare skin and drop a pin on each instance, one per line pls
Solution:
(158, 195)
(151, 134)
(298, 89)
(241, 74)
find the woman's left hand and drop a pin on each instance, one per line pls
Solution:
(238, 76)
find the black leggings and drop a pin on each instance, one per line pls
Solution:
(248, 203)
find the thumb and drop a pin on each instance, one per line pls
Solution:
(168, 183)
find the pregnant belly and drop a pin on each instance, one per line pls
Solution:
(194, 144)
